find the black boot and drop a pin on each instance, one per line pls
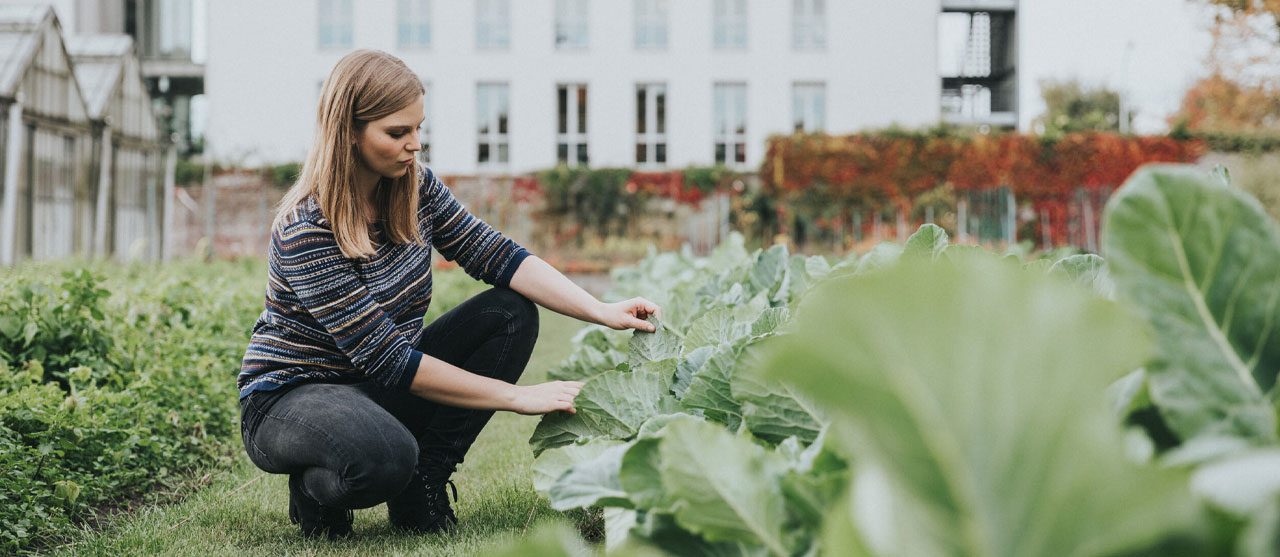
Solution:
(316, 519)
(423, 506)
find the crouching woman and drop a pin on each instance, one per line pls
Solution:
(343, 386)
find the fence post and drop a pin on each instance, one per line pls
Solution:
(1090, 236)
(210, 213)
(962, 219)
(1046, 230)
(170, 166)
(1011, 223)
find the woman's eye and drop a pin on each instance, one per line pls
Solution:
(397, 135)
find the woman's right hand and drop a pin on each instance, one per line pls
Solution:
(546, 397)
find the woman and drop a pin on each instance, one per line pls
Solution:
(343, 386)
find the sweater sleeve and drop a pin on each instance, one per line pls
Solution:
(481, 251)
(327, 286)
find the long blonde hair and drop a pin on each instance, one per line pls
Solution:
(364, 86)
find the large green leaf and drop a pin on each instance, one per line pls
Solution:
(591, 482)
(711, 391)
(882, 256)
(651, 347)
(1243, 484)
(586, 362)
(714, 327)
(612, 405)
(929, 241)
(770, 269)
(1201, 262)
(553, 463)
(726, 488)
(659, 531)
(978, 388)
(772, 408)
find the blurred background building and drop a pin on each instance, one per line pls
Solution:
(515, 86)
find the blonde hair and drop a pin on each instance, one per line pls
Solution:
(364, 86)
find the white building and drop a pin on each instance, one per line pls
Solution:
(515, 85)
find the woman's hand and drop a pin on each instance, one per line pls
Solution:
(629, 314)
(546, 397)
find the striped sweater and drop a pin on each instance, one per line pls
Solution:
(333, 319)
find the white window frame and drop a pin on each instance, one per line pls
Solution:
(413, 24)
(809, 24)
(651, 28)
(729, 124)
(808, 106)
(493, 24)
(334, 16)
(653, 135)
(572, 137)
(493, 114)
(571, 29)
(729, 21)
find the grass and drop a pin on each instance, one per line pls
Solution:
(244, 511)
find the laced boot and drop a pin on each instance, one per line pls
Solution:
(423, 507)
(316, 519)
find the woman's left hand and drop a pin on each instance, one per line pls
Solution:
(630, 314)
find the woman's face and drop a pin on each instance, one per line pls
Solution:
(389, 144)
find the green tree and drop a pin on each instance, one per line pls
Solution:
(1072, 107)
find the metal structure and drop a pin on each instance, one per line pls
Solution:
(127, 148)
(57, 199)
(983, 90)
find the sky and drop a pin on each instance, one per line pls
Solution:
(1088, 40)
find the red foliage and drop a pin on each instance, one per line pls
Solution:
(664, 184)
(525, 189)
(900, 167)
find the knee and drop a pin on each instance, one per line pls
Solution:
(380, 473)
(524, 313)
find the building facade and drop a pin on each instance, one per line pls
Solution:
(519, 85)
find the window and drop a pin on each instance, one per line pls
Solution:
(730, 123)
(413, 27)
(424, 136)
(809, 107)
(571, 126)
(651, 123)
(334, 18)
(571, 24)
(808, 24)
(730, 24)
(491, 124)
(493, 24)
(651, 24)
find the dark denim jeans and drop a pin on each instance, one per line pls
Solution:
(356, 444)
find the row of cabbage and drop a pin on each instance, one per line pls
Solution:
(938, 399)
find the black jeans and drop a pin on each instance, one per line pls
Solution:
(356, 444)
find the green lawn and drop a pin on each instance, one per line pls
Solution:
(244, 511)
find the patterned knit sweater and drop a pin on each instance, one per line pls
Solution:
(333, 319)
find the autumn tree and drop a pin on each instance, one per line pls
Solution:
(1242, 91)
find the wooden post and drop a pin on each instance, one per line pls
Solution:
(962, 220)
